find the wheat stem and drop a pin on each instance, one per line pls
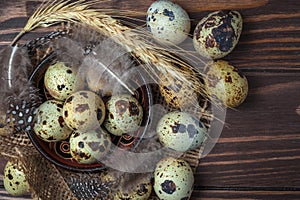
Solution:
(16, 39)
(155, 59)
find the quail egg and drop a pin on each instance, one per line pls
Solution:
(217, 34)
(84, 111)
(168, 22)
(180, 131)
(14, 179)
(173, 179)
(90, 147)
(49, 122)
(225, 83)
(177, 93)
(134, 186)
(61, 81)
(124, 114)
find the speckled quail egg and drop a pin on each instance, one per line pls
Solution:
(124, 114)
(83, 111)
(173, 179)
(90, 147)
(168, 22)
(134, 186)
(177, 93)
(61, 81)
(225, 83)
(180, 131)
(14, 179)
(217, 34)
(49, 122)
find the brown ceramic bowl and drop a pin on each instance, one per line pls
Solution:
(59, 152)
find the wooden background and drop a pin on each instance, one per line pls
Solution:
(258, 153)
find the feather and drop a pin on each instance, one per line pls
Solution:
(14, 66)
(102, 62)
(69, 52)
(86, 37)
(102, 77)
(78, 43)
(19, 99)
(110, 61)
(89, 187)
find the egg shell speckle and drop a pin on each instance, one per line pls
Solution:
(124, 114)
(49, 122)
(180, 131)
(178, 93)
(225, 83)
(167, 21)
(61, 81)
(173, 179)
(14, 179)
(89, 147)
(84, 111)
(217, 34)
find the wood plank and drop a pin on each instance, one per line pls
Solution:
(270, 38)
(190, 5)
(205, 194)
(261, 144)
(5, 196)
(245, 195)
(210, 194)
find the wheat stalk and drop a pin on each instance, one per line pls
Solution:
(155, 59)
(54, 12)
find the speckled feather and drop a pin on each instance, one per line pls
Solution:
(19, 99)
(90, 188)
(100, 59)
(14, 65)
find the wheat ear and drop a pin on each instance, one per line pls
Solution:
(155, 60)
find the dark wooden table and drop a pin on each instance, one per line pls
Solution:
(258, 153)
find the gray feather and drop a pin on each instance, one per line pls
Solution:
(79, 43)
(13, 71)
(18, 97)
(107, 65)
(101, 61)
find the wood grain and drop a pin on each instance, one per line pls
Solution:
(261, 193)
(5, 196)
(190, 5)
(258, 153)
(261, 144)
(269, 33)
